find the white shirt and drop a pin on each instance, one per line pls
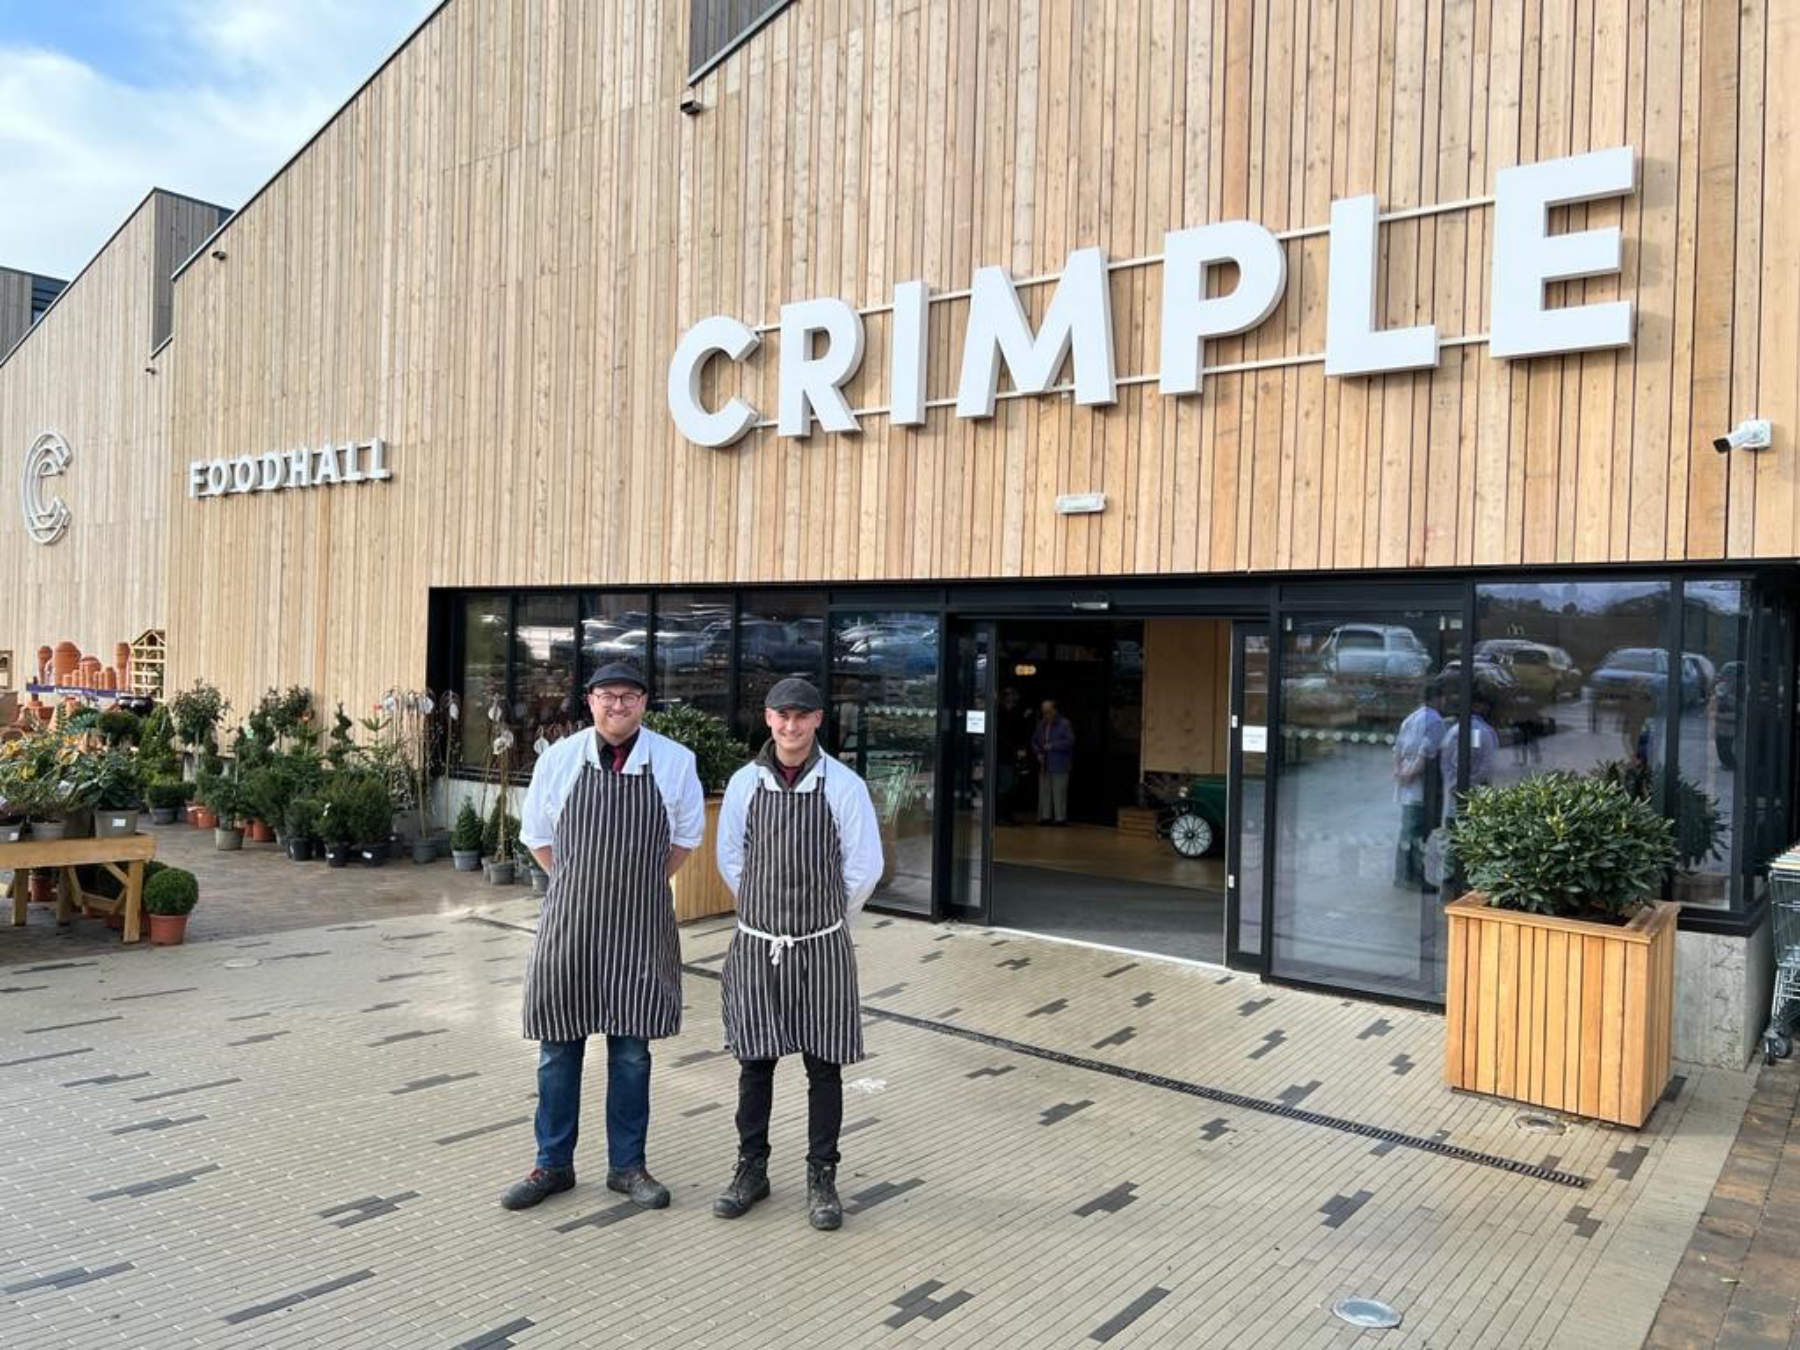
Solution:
(561, 765)
(847, 796)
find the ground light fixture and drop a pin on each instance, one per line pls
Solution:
(1365, 1312)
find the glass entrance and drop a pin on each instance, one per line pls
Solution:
(1367, 751)
(970, 769)
(884, 721)
(1248, 794)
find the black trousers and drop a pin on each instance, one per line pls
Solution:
(824, 1107)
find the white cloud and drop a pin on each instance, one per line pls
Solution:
(246, 83)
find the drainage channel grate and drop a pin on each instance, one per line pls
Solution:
(1201, 1090)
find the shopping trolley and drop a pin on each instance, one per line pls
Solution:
(1784, 908)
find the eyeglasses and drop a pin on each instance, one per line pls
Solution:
(630, 700)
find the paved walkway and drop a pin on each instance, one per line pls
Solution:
(299, 1138)
(1738, 1286)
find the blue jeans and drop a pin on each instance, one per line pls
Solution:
(559, 1101)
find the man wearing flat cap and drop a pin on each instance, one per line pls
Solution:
(611, 814)
(800, 847)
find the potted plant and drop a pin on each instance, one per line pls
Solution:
(300, 827)
(1561, 960)
(169, 897)
(166, 797)
(698, 888)
(224, 802)
(108, 784)
(373, 814)
(497, 837)
(465, 839)
(337, 822)
(195, 715)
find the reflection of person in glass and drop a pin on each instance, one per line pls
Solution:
(1416, 783)
(1053, 742)
(1483, 746)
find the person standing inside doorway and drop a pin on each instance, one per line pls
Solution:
(800, 848)
(1053, 742)
(610, 815)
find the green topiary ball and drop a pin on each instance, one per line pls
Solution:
(171, 891)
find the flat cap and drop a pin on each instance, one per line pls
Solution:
(794, 692)
(618, 672)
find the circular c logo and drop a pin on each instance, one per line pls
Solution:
(45, 522)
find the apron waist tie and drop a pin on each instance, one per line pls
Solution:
(780, 942)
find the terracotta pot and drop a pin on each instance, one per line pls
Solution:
(167, 930)
(204, 819)
(257, 832)
(189, 811)
(43, 888)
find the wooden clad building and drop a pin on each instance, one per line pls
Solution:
(476, 275)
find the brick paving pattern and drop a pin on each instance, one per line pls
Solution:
(1738, 1286)
(299, 1131)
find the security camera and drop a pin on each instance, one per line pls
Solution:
(691, 104)
(218, 255)
(1750, 434)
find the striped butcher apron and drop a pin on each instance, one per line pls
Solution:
(783, 997)
(607, 960)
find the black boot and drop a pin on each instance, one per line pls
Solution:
(824, 1210)
(542, 1182)
(749, 1184)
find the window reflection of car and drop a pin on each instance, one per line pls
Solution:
(1544, 671)
(1509, 701)
(1641, 675)
(887, 649)
(1362, 650)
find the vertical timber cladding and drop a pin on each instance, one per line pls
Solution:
(79, 378)
(489, 256)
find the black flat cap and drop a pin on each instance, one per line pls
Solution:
(618, 672)
(794, 692)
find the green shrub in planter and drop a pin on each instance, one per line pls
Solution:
(171, 891)
(1563, 845)
(302, 818)
(717, 753)
(108, 781)
(196, 714)
(223, 796)
(169, 794)
(371, 810)
(120, 726)
(491, 844)
(465, 835)
(1699, 829)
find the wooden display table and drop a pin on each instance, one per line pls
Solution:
(124, 858)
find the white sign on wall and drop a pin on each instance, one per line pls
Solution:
(821, 339)
(46, 521)
(279, 470)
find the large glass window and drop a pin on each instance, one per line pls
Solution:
(780, 633)
(545, 704)
(693, 652)
(1575, 675)
(615, 626)
(1714, 644)
(884, 697)
(485, 642)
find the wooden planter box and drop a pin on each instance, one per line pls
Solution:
(1572, 1016)
(699, 889)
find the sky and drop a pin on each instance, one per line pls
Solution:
(102, 100)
